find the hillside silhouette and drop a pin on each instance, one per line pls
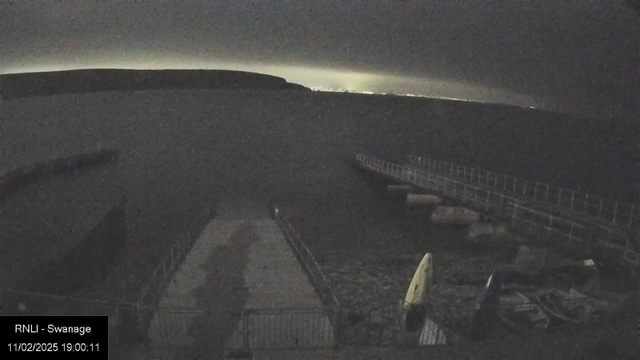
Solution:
(96, 80)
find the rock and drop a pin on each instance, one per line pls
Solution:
(485, 232)
(530, 260)
(449, 215)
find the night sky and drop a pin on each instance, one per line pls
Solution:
(580, 56)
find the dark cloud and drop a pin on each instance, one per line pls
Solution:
(569, 51)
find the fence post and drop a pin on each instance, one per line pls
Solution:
(559, 196)
(571, 232)
(615, 212)
(586, 204)
(515, 213)
(600, 208)
(524, 191)
(546, 196)
(573, 195)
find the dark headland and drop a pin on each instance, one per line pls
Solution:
(95, 80)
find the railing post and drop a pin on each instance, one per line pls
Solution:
(515, 212)
(586, 204)
(573, 195)
(524, 191)
(559, 195)
(546, 196)
(571, 232)
(495, 182)
(615, 212)
(471, 176)
(600, 208)
(504, 186)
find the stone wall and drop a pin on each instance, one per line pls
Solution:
(13, 180)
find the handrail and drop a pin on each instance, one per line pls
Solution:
(308, 261)
(619, 214)
(507, 206)
(172, 261)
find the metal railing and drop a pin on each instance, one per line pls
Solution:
(617, 213)
(553, 228)
(171, 263)
(216, 329)
(317, 278)
(308, 262)
(210, 329)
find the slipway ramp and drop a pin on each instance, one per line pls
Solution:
(240, 287)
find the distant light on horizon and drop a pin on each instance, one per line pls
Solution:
(320, 89)
(319, 79)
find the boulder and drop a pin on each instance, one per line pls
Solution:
(530, 260)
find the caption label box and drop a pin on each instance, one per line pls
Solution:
(73, 337)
